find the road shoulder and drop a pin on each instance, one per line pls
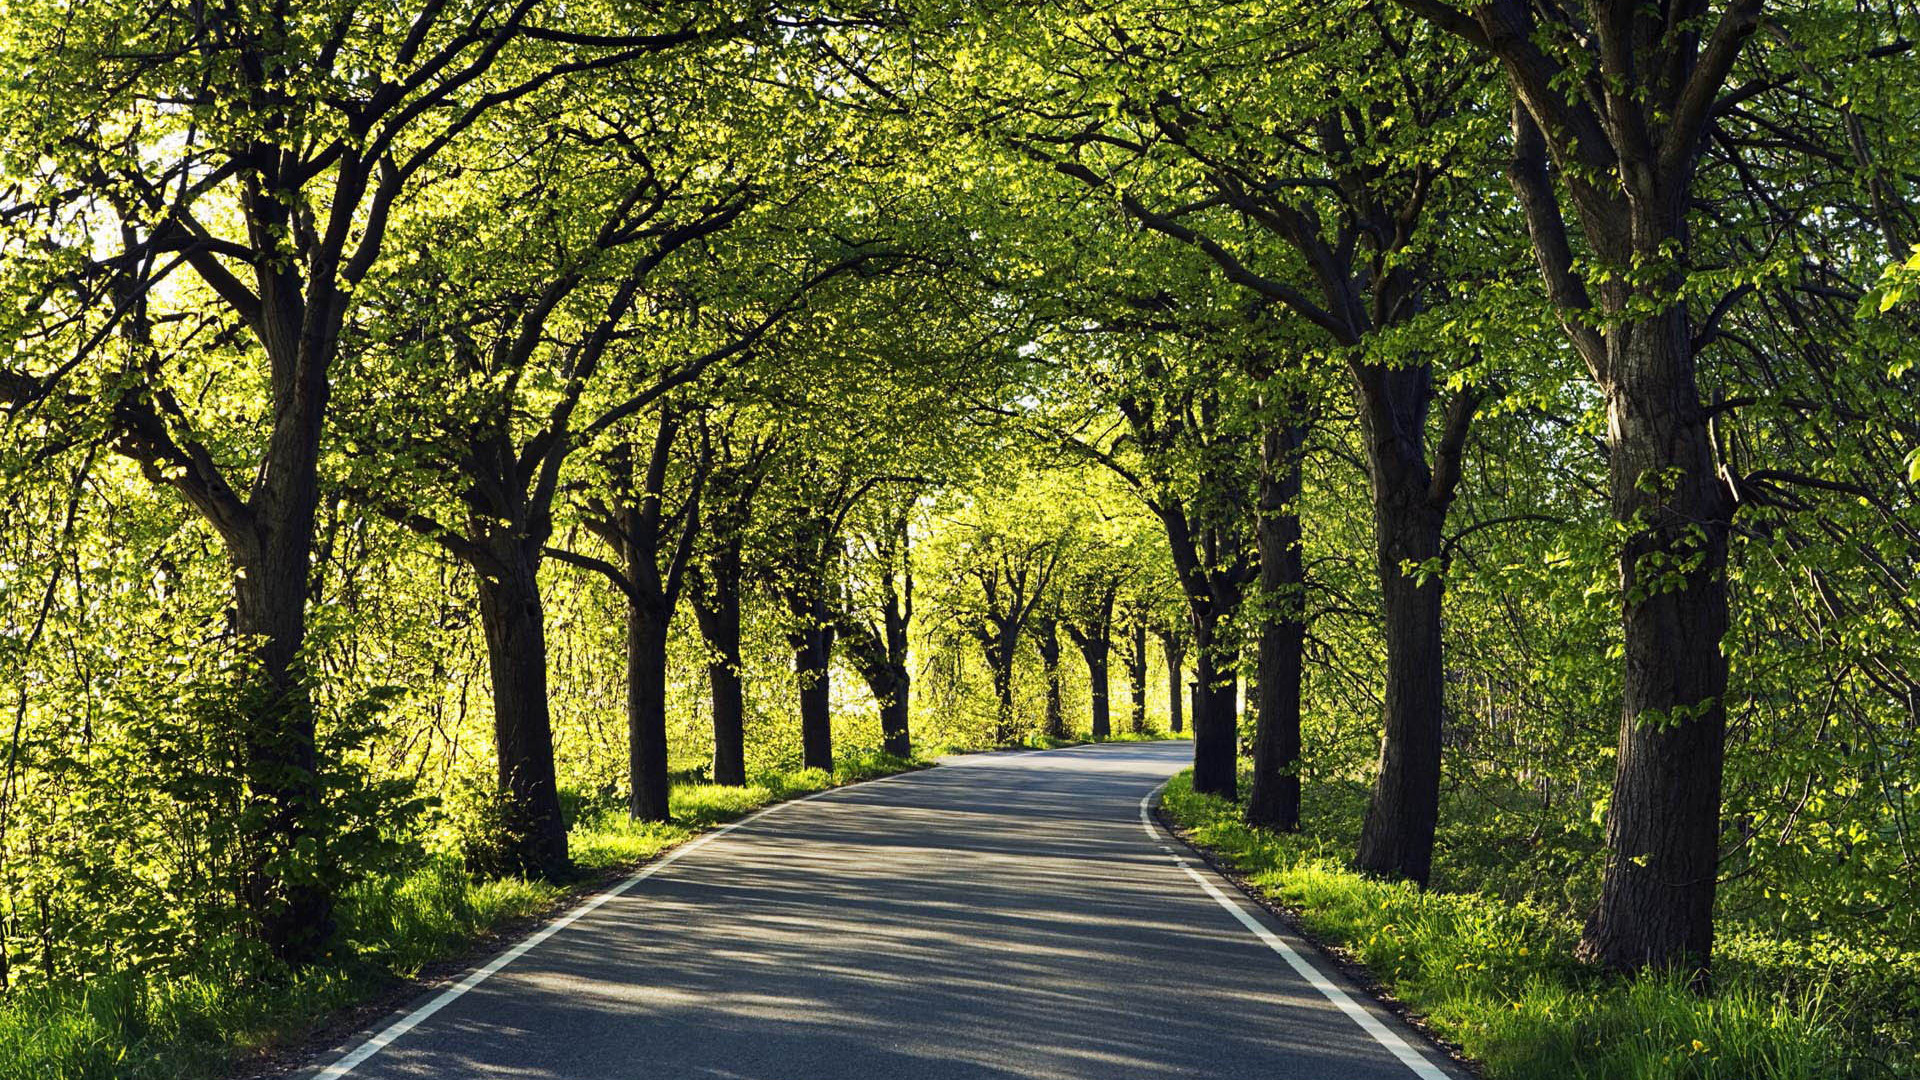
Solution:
(1329, 958)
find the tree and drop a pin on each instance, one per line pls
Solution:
(1174, 423)
(875, 631)
(1173, 646)
(1047, 624)
(1615, 111)
(1274, 800)
(539, 358)
(806, 564)
(1330, 221)
(1134, 660)
(271, 180)
(1091, 627)
(1010, 574)
(1140, 562)
(742, 457)
(655, 540)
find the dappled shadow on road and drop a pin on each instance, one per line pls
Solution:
(1001, 917)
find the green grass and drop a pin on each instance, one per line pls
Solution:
(202, 1022)
(1135, 736)
(1497, 977)
(1038, 741)
(608, 838)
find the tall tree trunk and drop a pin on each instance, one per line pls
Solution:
(1663, 825)
(716, 607)
(511, 615)
(1663, 829)
(729, 702)
(1000, 663)
(881, 662)
(295, 307)
(1176, 656)
(270, 542)
(1212, 598)
(999, 637)
(1410, 501)
(1274, 800)
(896, 712)
(642, 530)
(895, 737)
(1397, 839)
(294, 917)
(1216, 719)
(812, 662)
(1095, 652)
(1049, 641)
(1137, 679)
(647, 714)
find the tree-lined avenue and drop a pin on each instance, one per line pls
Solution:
(1002, 915)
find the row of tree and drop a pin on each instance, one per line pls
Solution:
(1505, 396)
(1446, 206)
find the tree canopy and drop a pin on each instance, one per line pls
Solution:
(1489, 433)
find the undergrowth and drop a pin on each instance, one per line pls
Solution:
(1497, 977)
(201, 1019)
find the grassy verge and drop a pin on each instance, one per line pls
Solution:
(1497, 978)
(205, 1022)
(1048, 742)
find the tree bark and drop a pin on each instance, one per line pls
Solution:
(1094, 650)
(896, 712)
(268, 534)
(1215, 719)
(1055, 724)
(647, 714)
(729, 702)
(896, 737)
(999, 638)
(1411, 497)
(1176, 656)
(1274, 801)
(1213, 564)
(1397, 838)
(882, 665)
(639, 526)
(1666, 491)
(716, 608)
(812, 663)
(1663, 830)
(1137, 679)
(1095, 642)
(811, 590)
(535, 840)
(1213, 593)
(1003, 699)
(294, 917)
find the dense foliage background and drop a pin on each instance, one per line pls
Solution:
(450, 449)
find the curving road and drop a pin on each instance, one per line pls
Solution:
(1005, 915)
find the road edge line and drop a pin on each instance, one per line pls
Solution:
(1388, 1039)
(345, 1064)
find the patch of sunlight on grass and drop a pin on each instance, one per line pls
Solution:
(1499, 979)
(611, 839)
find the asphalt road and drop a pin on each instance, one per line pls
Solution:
(1006, 915)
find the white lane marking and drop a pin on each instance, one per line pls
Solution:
(358, 1056)
(1369, 1023)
